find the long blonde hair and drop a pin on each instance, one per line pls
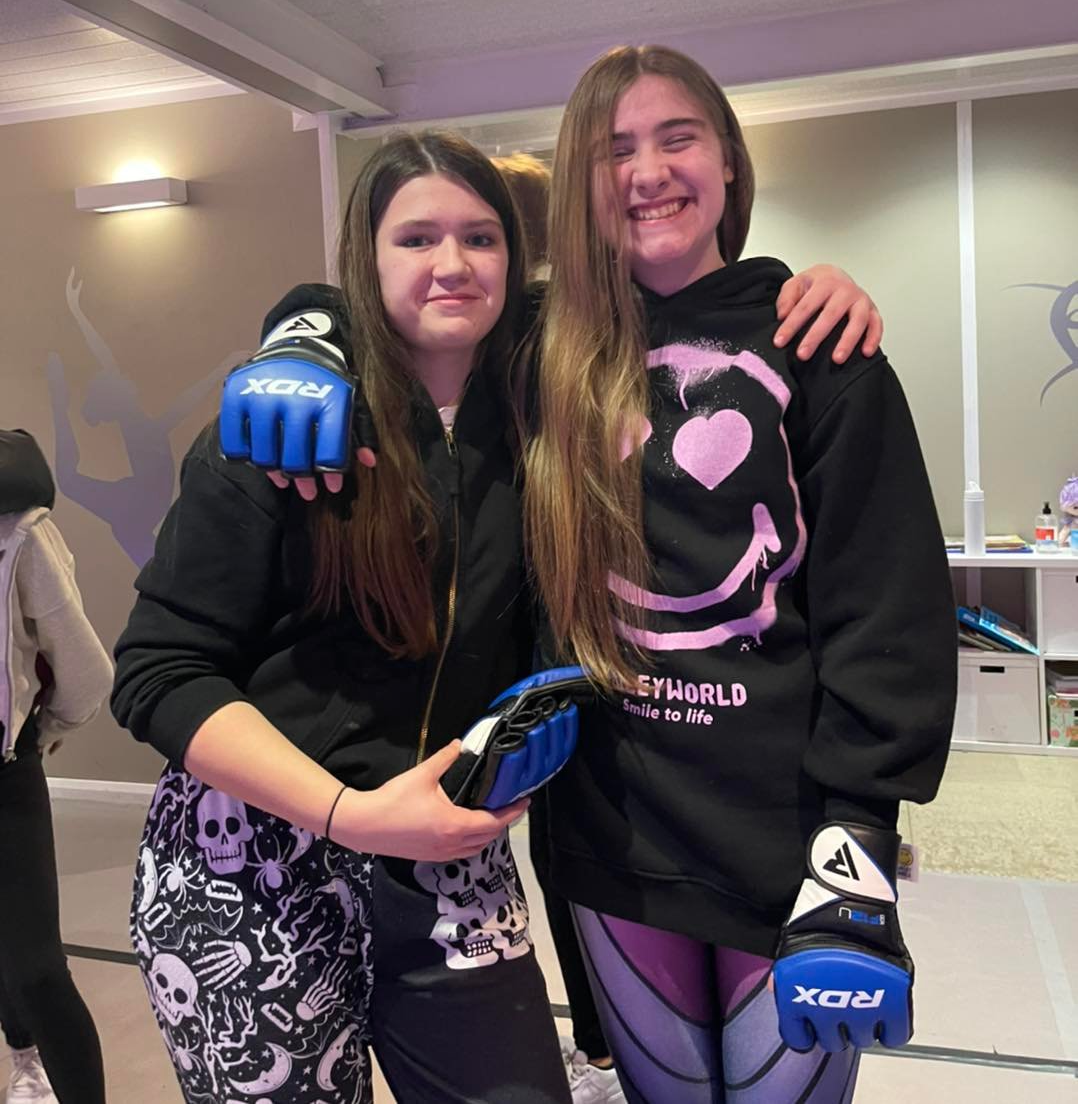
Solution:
(378, 546)
(583, 501)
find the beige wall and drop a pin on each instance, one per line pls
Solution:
(1025, 159)
(352, 153)
(876, 194)
(173, 294)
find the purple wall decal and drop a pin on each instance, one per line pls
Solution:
(1063, 320)
(134, 505)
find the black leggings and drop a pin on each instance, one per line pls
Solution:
(39, 1004)
(587, 1031)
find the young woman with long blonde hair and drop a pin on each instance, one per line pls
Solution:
(707, 522)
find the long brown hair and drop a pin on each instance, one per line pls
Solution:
(379, 545)
(583, 502)
(528, 181)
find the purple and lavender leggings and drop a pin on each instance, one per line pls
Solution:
(696, 1024)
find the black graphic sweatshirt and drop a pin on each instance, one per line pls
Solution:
(800, 622)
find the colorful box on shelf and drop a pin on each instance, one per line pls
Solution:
(1063, 720)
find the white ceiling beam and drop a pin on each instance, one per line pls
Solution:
(894, 32)
(198, 87)
(265, 46)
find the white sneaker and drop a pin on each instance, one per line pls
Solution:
(29, 1083)
(589, 1084)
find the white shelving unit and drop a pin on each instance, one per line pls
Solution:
(1002, 702)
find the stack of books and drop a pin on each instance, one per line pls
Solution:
(982, 628)
(1008, 542)
(1060, 683)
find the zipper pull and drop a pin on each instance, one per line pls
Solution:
(454, 474)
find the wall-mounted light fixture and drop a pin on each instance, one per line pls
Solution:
(131, 195)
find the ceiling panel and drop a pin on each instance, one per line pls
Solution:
(405, 31)
(420, 59)
(54, 62)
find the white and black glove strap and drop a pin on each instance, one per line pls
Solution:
(843, 974)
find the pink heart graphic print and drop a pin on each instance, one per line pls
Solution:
(709, 449)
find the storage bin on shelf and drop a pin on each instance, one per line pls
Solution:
(999, 698)
(1059, 630)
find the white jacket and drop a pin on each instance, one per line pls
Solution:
(41, 611)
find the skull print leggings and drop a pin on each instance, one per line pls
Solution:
(275, 960)
(695, 1023)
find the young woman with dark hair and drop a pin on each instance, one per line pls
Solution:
(305, 888)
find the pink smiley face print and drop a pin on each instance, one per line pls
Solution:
(722, 505)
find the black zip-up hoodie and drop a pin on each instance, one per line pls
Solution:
(800, 618)
(219, 616)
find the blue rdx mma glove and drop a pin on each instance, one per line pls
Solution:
(843, 974)
(522, 743)
(294, 405)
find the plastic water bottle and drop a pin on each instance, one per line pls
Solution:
(973, 506)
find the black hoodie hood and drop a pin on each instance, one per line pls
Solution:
(25, 479)
(752, 285)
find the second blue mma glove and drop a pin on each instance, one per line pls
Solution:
(843, 974)
(522, 743)
(293, 406)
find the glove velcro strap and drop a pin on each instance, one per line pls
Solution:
(838, 996)
(312, 349)
(862, 924)
(310, 321)
(855, 861)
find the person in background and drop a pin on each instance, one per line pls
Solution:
(528, 180)
(25, 478)
(56, 675)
